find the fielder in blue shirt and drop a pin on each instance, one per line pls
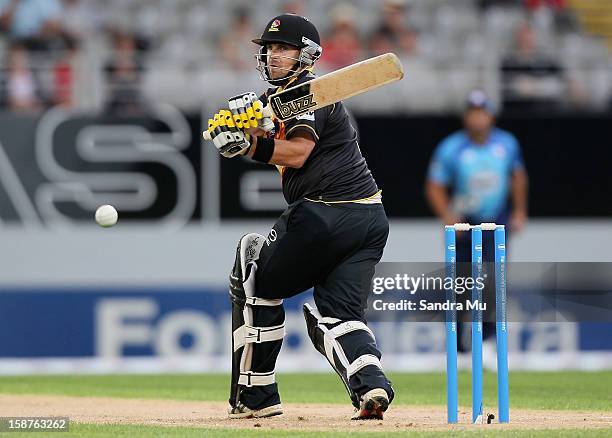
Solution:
(477, 174)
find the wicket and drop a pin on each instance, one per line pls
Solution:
(501, 324)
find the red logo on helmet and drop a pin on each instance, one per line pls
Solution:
(274, 26)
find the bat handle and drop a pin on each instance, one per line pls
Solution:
(267, 112)
(266, 122)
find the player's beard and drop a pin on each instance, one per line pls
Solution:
(285, 74)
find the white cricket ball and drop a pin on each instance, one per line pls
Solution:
(106, 216)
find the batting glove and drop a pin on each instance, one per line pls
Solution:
(249, 112)
(227, 138)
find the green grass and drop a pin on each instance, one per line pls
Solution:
(78, 430)
(563, 390)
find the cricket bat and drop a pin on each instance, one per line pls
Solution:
(336, 86)
(320, 92)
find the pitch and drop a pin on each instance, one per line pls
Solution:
(542, 404)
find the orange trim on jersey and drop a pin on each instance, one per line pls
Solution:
(281, 131)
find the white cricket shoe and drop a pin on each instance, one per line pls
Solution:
(241, 411)
(373, 405)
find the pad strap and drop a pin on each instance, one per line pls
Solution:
(254, 301)
(362, 362)
(248, 334)
(331, 344)
(347, 327)
(329, 320)
(251, 378)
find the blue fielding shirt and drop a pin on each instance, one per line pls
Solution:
(479, 175)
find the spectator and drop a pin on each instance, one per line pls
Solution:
(408, 44)
(380, 43)
(392, 29)
(484, 4)
(21, 88)
(555, 12)
(294, 7)
(420, 94)
(124, 75)
(553, 4)
(63, 75)
(531, 80)
(79, 19)
(234, 53)
(342, 46)
(34, 22)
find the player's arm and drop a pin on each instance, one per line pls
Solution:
(291, 153)
(301, 137)
(437, 196)
(519, 185)
(439, 178)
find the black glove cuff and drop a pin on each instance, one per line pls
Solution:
(264, 149)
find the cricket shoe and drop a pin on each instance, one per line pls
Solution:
(242, 411)
(373, 405)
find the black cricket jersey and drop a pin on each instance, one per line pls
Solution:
(335, 169)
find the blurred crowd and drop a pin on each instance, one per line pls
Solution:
(528, 54)
(42, 39)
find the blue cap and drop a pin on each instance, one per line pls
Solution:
(479, 99)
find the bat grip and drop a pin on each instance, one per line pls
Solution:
(267, 124)
(267, 111)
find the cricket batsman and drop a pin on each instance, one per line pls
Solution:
(330, 237)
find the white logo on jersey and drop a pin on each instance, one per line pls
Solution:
(271, 237)
(306, 116)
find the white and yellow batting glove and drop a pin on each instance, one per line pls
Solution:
(226, 136)
(249, 112)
